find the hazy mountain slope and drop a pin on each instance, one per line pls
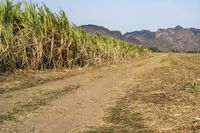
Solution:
(171, 39)
(144, 37)
(178, 39)
(93, 29)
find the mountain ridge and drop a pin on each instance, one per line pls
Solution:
(177, 39)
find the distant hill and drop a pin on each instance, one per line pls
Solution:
(93, 29)
(172, 39)
(141, 37)
(178, 39)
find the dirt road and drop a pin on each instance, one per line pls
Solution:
(85, 106)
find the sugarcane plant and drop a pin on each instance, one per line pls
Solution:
(33, 37)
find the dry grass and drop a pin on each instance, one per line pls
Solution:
(27, 79)
(22, 108)
(121, 119)
(166, 100)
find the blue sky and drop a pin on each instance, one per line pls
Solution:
(130, 15)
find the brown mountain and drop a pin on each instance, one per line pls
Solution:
(93, 29)
(178, 39)
(140, 37)
(171, 39)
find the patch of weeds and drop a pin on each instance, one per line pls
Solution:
(27, 83)
(121, 119)
(2, 79)
(35, 103)
(174, 62)
(116, 129)
(115, 115)
(190, 86)
(119, 115)
(6, 117)
(8, 96)
(12, 77)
